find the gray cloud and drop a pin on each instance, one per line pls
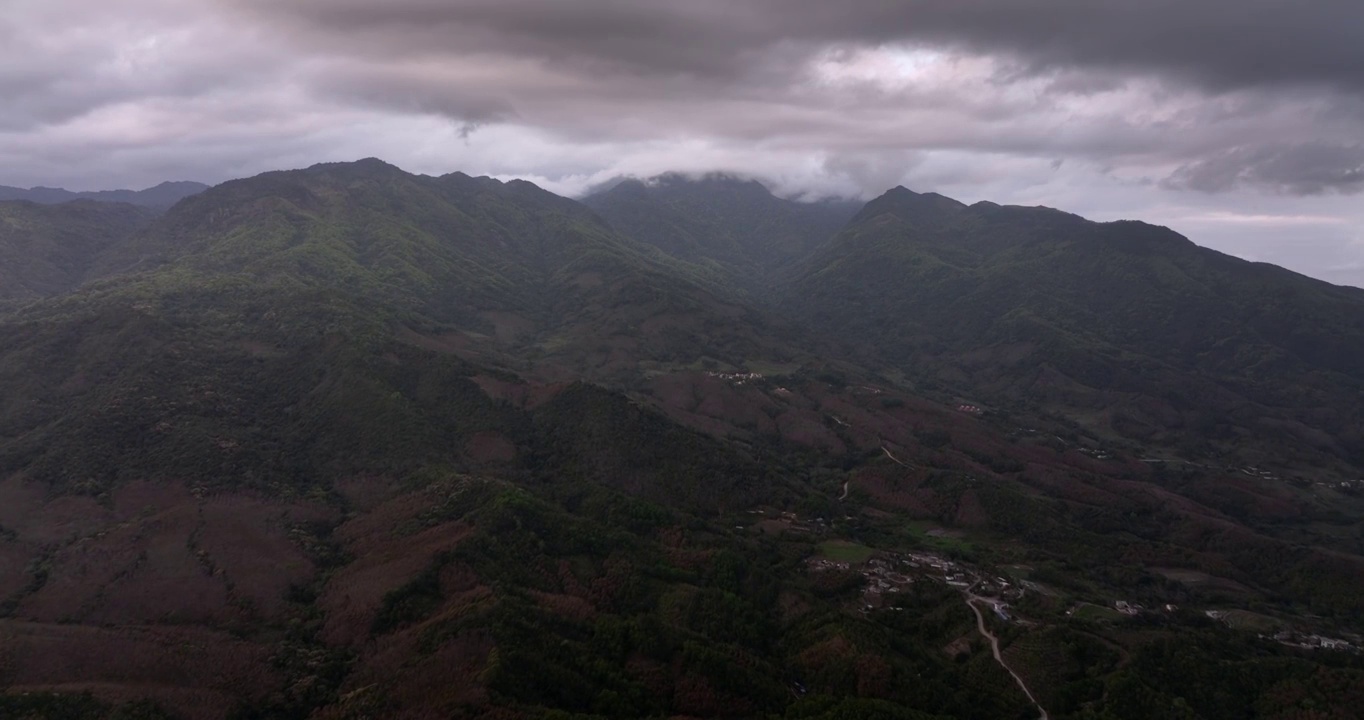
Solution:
(1167, 82)
(62, 59)
(1307, 168)
(1221, 43)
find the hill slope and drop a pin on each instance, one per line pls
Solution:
(1126, 324)
(259, 290)
(47, 250)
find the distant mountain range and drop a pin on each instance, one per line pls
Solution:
(160, 197)
(349, 442)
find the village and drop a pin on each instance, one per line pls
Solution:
(737, 378)
(1293, 638)
(888, 574)
(891, 573)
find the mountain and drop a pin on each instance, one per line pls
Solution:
(348, 442)
(736, 227)
(329, 265)
(465, 258)
(47, 250)
(1131, 326)
(159, 197)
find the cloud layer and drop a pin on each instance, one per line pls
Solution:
(1165, 110)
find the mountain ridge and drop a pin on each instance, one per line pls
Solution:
(157, 197)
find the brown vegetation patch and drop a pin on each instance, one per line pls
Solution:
(448, 674)
(448, 679)
(588, 280)
(490, 448)
(821, 654)
(451, 343)
(499, 389)
(960, 646)
(653, 675)
(14, 567)
(141, 571)
(804, 427)
(183, 703)
(897, 488)
(259, 349)
(175, 665)
(247, 540)
(747, 408)
(700, 423)
(365, 492)
(540, 394)
(26, 510)
(970, 513)
(385, 559)
(508, 327)
(675, 391)
(568, 606)
(869, 429)
(695, 695)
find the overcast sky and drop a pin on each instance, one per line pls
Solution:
(1239, 123)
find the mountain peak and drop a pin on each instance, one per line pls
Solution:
(366, 166)
(907, 205)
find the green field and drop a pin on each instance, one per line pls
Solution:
(844, 551)
(951, 540)
(1096, 613)
(1253, 622)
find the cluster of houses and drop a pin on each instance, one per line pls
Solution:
(882, 579)
(1255, 472)
(1127, 608)
(1313, 642)
(1096, 453)
(1295, 638)
(826, 565)
(891, 573)
(776, 521)
(737, 378)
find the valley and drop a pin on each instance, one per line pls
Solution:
(347, 442)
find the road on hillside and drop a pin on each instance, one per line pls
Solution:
(994, 645)
(886, 450)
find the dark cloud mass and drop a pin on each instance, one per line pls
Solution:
(615, 68)
(1226, 112)
(1224, 44)
(1304, 168)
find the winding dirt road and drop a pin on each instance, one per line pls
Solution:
(885, 450)
(994, 645)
